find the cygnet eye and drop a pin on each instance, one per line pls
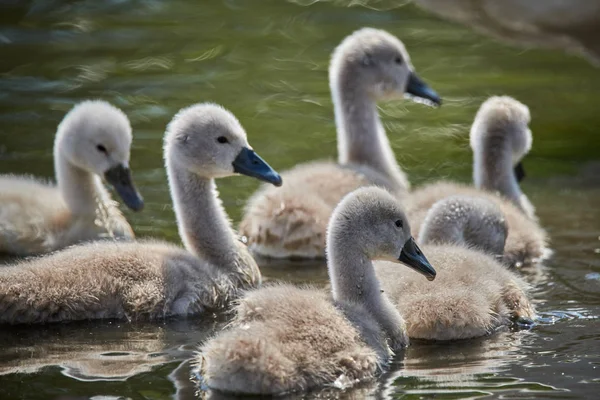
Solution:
(101, 148)
(399, 223)
(398, 60)
(222, 139)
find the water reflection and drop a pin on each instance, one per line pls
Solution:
(465, 369)
(101, 351)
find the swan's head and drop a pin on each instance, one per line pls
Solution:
(467, 221)
(371, 219)
(209, 141)
(376, 62)
(96, 137)
(502, 119)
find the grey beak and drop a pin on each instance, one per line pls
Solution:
(249, 163)
(120, 178)
(413, 257)
(418, 88)
(519, 171)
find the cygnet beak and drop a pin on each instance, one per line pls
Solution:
(249, 163)
(417, 88)
(413, 257)
(520, 172)
(120, 178)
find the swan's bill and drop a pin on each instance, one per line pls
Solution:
(251, 164)
(520, 172)
(420, 92)
(120, 178)
(413, 257)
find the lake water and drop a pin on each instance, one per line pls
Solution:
(267, 62)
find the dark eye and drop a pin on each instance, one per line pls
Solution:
(398, 60)
(399, 223)
(101, 148)
(222, 139)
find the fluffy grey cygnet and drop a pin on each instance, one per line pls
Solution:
(286, 339)
(368, 66)
(473, 294)
(152, 279)
(92, 142)
(500, 137)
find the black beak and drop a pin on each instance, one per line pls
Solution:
(249, 163)
(520, 172)
(418, 88)
(413, 257)
(120, 178)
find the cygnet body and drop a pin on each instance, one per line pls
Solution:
(369, 65)
(286, 339)
(153, 279)
(500, 138)
(92, 141)
(473, 294)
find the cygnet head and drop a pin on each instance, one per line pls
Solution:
(376, 62)
(502, 119)
(96, 137)
(372, 220)
(467, 221)
(208, 140)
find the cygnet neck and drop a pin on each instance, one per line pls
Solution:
(353, 280)
(202, 222)
(360, 135)
(82, 191)
(493, 167)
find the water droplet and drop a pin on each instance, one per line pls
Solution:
(593, 276)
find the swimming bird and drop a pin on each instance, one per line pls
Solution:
(92, 142)
(284, 338)
(473, 294)
(290, 222)
(151, 279)
(500, 138)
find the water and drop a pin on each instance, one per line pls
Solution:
(267, 62)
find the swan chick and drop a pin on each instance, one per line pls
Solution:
(286, 339)
(466, 221)
(368, 66)
(92, 142)
(151, 279)
(500, 138)
(473, 295)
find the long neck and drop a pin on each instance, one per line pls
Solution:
(203, 225)
(353, 280)
(360, 135)
(493, 167)
(81, 190)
